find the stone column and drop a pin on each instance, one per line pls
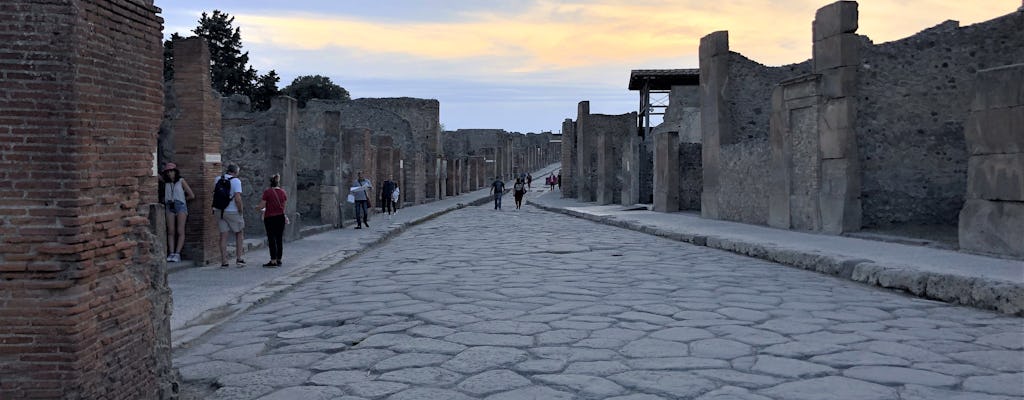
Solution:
(568, 157)
(992, 219)
(631, 170)
(282, 155)
(330, 187)
(355, 143)
(836, 59)
(714, 119)
(586, 160)
(197, 139)
(84, 302)
(666, 172)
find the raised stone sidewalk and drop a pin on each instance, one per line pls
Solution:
(204, 297)
(983, 282)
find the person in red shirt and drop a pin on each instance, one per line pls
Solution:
(274, 219)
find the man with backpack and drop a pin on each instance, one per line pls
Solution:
(498, 189)
(227, 206)
(519, 189)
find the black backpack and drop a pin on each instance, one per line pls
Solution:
(222, 193)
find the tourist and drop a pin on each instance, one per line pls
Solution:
(558, 180)
(361, 191)
(272, 205)
(529, 181)
(519, 189)
(176, 193)
(231, 220)
(387, 201)
(497, 189)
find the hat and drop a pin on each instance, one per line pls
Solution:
(169, 166)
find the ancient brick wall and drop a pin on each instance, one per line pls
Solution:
(83, 298)
(424, 116)
(914, 96)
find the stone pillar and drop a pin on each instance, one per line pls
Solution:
(398, 174)
(441, 165)
(84, 302)
(992, 219)
(449, 180)
(330, 187)
(568, 157)
(631, 170)
(197, 138)
(714, 119)
(666, 172)
(836, 59)
(419, 169)
(355, 144)
(282, 156)
(586, 161)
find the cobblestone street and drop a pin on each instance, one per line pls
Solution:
(527, 304)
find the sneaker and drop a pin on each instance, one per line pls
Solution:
(359, 227)
(240, 263)
(170, 257)
(177, 257)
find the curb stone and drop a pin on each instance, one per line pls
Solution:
(990, 294)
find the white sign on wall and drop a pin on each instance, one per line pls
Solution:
(213, 157)
(156, 168)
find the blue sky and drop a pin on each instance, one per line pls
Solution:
(522, 65)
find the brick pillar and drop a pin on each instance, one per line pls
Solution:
(992, 219)
(714, 118)
(569, 162)
(355, 145)
(586, 157)
(84, 302)
(666, 172)
(197, 138)
(330, 188)
(836, 59)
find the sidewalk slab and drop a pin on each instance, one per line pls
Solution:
(203, 297)
(978, 281)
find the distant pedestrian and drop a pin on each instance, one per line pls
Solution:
(387, 200)
(176, 194)
(558, 180)
(272, 205)
(361, 190)
(498, 189)
(227, 204)
(519, 189)
(551, 181)
(529, 181)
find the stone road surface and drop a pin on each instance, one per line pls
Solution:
(528, 304)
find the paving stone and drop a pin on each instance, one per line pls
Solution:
(588, 386)
(719, 348)
(477, 359)
(428, 394)
(907, 352)
(748, 335)
(830, 338)
(540, 366)
(448, 318)
(1008, 384)
(489, 339)
(617, 333)
(492, 381)
(311, 347)
(999, 360)
(789, 327)
(339, 378)
(802, 349)
(575, 353)
(241, 393)
(579, 325)
(239, 352)
(670, 383)
(561, 336)
(516, 327)
(275, 377)
(428, 345)
(742, 379)
(644, 317)
(596, 368)
(918, 392)
(682, 334)
(654, 348)
(431, 331)
(857, 357)
(831, 388)
(788, 367)
(384, 340)
(1006, 340)
(532, 393)
(731, 393)
(212, 369)
(303, 332)
(637, 397)
(353, 359)
(422, 376)
(743, 314)
(305, 393)
(375, 389)
(677, 363)
(297, 360)
(600, 343)
(954, 369)
(410, 360)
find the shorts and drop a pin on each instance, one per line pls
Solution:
(231, 222)
(177, 207)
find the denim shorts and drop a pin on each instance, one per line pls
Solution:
(177, 207)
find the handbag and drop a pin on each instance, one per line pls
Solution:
(351, 198)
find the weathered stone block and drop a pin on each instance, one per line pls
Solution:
(995, 131)
(999, 87)
(835, 19)
(837, 202)
(839, 82)
(714, 44)
(836, 51)
(992, 227)
(996, 177)
(836, 127)
(666, 172)
(801, 87)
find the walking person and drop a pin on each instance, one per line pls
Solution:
(518, 190)
(529, 181)
(558, 180)
(227, 204)
(176, 194)
(387, 201)
(272, 205)
(361, 190)
(498, 189)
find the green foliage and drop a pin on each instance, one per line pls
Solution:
(229, 66)
(169, 56)
(307, 87)
(266, 89)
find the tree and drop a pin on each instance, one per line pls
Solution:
(307, 87)
(169, 56)
(266, 89)
(229, 66)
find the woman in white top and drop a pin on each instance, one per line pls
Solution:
(176, 193)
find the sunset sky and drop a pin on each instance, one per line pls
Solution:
(522, 65)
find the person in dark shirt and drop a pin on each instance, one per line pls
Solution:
(387, 189)
(498, 189)
(519, 189)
